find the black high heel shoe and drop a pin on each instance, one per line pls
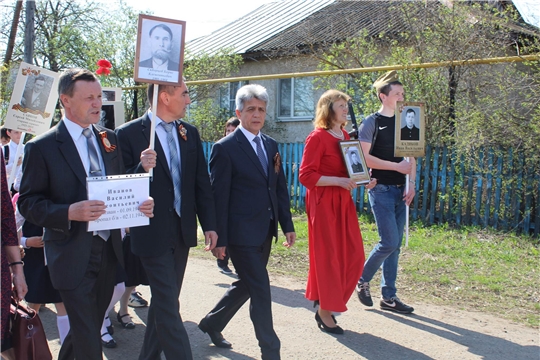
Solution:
(332, 330)
(316, 303)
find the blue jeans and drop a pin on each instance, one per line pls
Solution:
(389, 209)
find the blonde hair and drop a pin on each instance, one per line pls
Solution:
(324, 115)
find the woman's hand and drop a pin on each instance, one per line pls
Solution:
(346, 183)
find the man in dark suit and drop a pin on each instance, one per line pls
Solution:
(410, 132)
(82, 264)
(181, 188)
(251, 199)
(161, 45)
(34, 98)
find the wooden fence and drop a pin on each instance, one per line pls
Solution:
(495, 188)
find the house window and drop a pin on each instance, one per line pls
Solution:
(228, 96)
(296, 99)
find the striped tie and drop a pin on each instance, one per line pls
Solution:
(260, 155)
(92, 154)
(174, 166)
(95, 170)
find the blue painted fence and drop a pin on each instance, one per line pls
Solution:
(496, 188)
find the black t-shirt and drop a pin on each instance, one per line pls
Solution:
(383, 147)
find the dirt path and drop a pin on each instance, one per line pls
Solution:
(432, 332)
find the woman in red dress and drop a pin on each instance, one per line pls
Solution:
(336, 251)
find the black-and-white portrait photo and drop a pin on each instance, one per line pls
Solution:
(410, 130)
(108, 95)
(36, 92)
(107, 117)
(354, 162)
(160, 49)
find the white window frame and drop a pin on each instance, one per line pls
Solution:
(291, 116)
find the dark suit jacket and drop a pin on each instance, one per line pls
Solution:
(164, 230)
(173, 66)
(38, 104)
(54, 178)
(245, 197)
(410, 134)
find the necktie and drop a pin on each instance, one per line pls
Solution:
(174, 165)
(94, 170)
(260, 155)
(92, 154)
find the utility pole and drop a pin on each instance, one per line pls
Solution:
(29, 35)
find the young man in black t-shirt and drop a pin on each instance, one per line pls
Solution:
(388, 198)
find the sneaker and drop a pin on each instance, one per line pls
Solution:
(396, 305)
(364, 295)
(225, 270)
(136, 301)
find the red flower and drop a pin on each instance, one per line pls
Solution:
(104, 63)
(103, 71)
(104, 66)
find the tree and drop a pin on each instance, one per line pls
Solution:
(205, 112)
(467, 105)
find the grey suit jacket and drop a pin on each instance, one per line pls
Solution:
(166, 229)
(245, 198)
(54, 178)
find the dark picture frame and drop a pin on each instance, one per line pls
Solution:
(159, 54)
(112, 114)
(353, 156)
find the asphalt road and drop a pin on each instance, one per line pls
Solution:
(432, 332)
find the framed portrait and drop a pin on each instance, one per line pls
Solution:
(160, 50)
(112, 114)
(410, 129)
(354, 161)
(111, 94)
(33, 100)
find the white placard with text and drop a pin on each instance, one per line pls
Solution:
(122, 194)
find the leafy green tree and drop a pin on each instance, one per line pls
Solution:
(205, 112)
(467, 105)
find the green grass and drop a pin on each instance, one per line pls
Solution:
(468, 268)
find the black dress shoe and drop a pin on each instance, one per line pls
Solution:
(126, 325)
(111, 344)
(215, 336)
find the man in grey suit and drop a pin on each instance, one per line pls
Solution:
(251, 199)
(82, 264)
(181, 188)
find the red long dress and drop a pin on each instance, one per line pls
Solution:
(336, 250)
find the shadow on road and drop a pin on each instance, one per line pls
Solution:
(487, 346)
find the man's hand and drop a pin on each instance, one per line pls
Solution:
(371, 184)
(148, 159)
(290, 239)
(409, 196)
(219, 252)
(404, 167)
(34, 242)
(147, 207)
(86, 210)
(210, 240)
